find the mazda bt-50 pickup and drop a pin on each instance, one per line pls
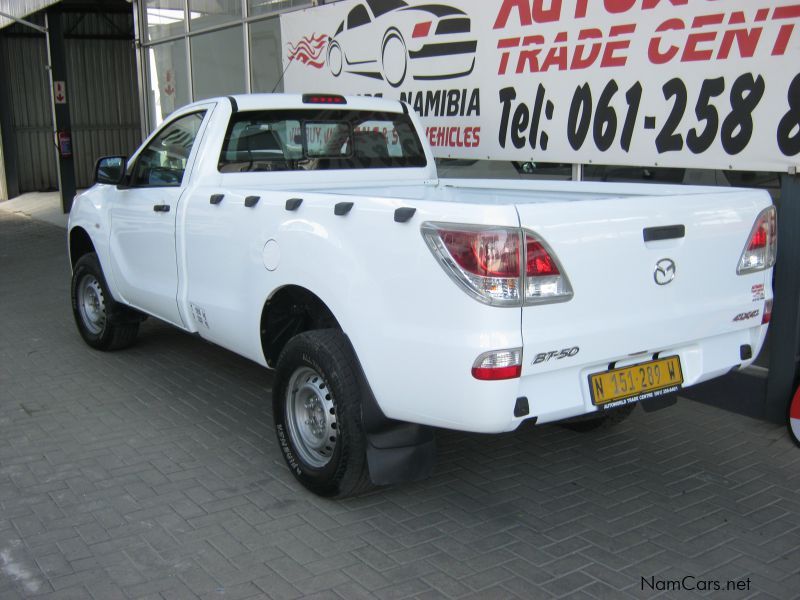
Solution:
(312, 235)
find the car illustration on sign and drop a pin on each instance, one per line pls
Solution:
(385, 39)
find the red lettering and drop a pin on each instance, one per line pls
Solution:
(580, 9)
(648, 4)
(523, 9)
(530, 56)
(657, 57)
(746, 39)
(579, 61)
(609, 58)
(549, 15)
(784, 35)
(556, 56)
(619, 6)
(691, 52)
(505, 43)
(786, 31)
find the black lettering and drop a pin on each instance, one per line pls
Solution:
(474, 107)
(519, 125)
(418, 106)
(507, 95)
(452, 103)
(433, 103)
(599, 393)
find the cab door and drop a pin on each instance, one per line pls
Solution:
(143, 254)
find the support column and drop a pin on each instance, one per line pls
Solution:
(784, 350)
(9, 181)
(59, 96)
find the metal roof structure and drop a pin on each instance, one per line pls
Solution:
(10, 10)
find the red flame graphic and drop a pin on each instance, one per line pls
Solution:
(309, 50)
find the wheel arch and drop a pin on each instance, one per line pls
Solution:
(289, 311)
(80, 244)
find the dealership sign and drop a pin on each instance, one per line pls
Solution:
(681, 83)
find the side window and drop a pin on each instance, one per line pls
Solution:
(162, 163)
(357, 17)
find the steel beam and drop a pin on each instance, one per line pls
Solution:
(61, 122)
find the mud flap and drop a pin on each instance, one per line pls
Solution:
(397, 452)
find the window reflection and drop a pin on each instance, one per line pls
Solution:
(209, 13)
(168, 84)
(218, 63)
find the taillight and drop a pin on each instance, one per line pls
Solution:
(484, 261)
(487, 263)
(762, 246)
(421, 29)
(544, 280)
(767, 312)
(498, 364)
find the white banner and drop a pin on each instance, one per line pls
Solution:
(677, 83)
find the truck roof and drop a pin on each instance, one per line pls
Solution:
(289, 101)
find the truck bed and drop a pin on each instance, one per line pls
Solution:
(503, 192)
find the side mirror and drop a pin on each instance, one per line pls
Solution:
(110, 170)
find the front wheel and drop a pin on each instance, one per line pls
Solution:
(316, 402)
(102, 323)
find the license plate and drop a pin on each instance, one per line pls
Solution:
(646, 380)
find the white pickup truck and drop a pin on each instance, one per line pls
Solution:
(311, 234)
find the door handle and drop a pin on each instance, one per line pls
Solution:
(161, 207)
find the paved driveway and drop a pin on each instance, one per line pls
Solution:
(154, 473)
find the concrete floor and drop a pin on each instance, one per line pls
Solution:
(154, 473)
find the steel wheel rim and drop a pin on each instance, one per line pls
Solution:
(92, 304)
(311, 417)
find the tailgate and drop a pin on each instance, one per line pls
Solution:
(619, 310)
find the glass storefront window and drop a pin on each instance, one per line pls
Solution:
(163, 18)
(265, 56)
(218, 63)
(208, 13)
(168, 84)
(263, 7)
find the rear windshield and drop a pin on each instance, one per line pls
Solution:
(292, 140)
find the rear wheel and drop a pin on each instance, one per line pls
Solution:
(316, 401)
(605, 420)
(102, 322)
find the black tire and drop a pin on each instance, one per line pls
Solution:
(394, 34)
(103, 323)
(321, 366)
(333, 48)
(604, 421)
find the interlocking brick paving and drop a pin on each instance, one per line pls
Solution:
(154, 473)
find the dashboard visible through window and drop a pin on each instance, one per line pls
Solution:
(162, 163)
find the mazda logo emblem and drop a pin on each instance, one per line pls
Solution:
(665, 271)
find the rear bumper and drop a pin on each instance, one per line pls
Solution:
(463, 403)
(564, 393)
